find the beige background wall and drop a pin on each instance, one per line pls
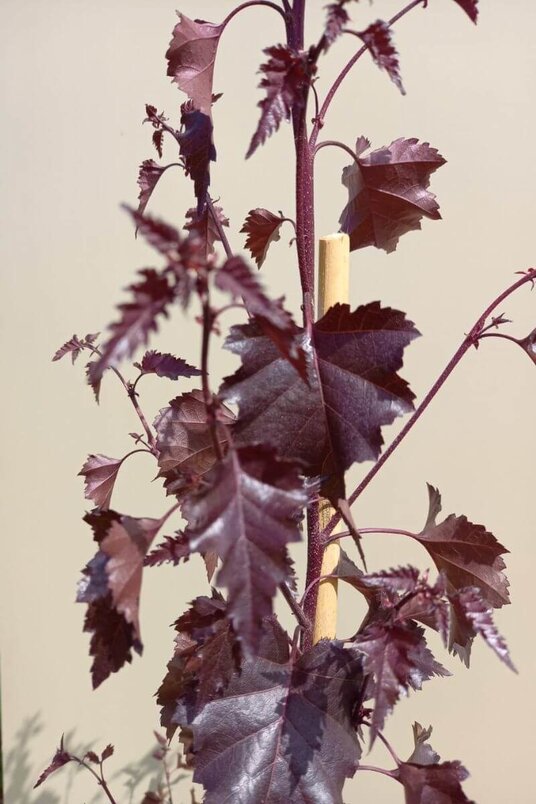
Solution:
(75, 77)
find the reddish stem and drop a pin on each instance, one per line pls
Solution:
(250, 4)
(470, 340)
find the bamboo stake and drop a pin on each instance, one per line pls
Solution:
(333, 287)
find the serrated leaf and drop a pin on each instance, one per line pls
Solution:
(353, 389)
(107, 753)
(74, 346)
(286, 77)
(149, 175)
(60, 758)
(166, 365)
(466, 553)
(282, 731)
(191, 56)
(388, 193)
(337, 18)
(172, 550)
(378, 38)
(423, 753)
(100, 473)
(262, 228)
(397, 658)
(437, 783)
(151, 297)
(92, 757)
(184, 441)
(204, 226)
(471, 615)
(247, 512)
(235, 277)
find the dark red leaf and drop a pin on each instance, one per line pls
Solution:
(166, 365)
(197, 150)
(262, 228)
(173, 550)
(92, 757)
(286, 77)
(149, 175)
(107, 753)
(433, 784)
(184, 441)
(353, 389)
(151, 297)
(191, 56)
(111, 587)
(471, 615)
(337, 19)
(100, 474)
(158, 137)
(388, 193)
(204, 226)
(397, 658)
(470, 7)
(247, 512)
(467, 554)
(60, 758)
(423, 753)
(378, 38)
(74, 346)
(283, 729)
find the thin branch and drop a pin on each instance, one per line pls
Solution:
(208, 321)
(385, 742)
(163, 519)
(100, 779)
(313, 583)
(250, 4)
(498, 335)
(336, 144)
(344, 72)
(295, 607)
(376, 770)
(363, 531)
(470, 340)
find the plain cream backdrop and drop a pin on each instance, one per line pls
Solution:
(75, 77)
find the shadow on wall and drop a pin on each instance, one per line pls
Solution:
(20, 772)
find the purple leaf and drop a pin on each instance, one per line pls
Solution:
(288, 721)
(378, 38)
(528, 344)
(60, 758)
(74, 346)
(433, 784)
(166, 365)
(197, 150)
(191, 56)
(204, 226)
(467, 554)
(149, 175)
(471, 615)
(286, 78)
(337, 19)
(470, 7)
(397, 658)
(184, 441)
(423, 753)
(107, 753)
(388, 193)
(353, 391)
(262, 228)
(173, 550)
(100, 474)
(247, 512)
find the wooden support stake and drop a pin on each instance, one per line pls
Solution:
(333, 287)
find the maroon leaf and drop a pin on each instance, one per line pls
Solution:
(353, 389)
(467, 554)
(437, 783)
(184, 441)
(60, 758)
(397, 658)
(197, 150)
(100, 474)
(262, 228)
(287, 76)
(107, 753)
(528, 344)
(149, 175)
(92, 757)
(151, 296)
(283, 729)
(191, 56)
(470, 7)
(74, 346)
(111, 587)
(158, 137)
(166, 365)
(471, 615)
(378, 39)
(173, 550)
(388, 193)
(337, 19)
(247, 512)
(423, 753)
(204, 226)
